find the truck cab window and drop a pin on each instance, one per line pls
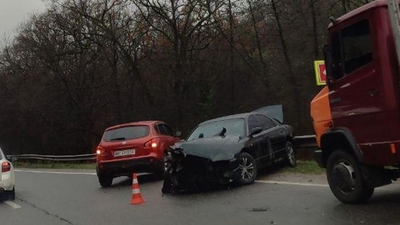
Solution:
(337, 67)
(357, 46)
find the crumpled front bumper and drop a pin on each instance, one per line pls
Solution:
(208, 171)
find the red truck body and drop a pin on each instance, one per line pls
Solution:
(358, 112)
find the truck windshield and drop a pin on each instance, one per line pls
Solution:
(357, 46)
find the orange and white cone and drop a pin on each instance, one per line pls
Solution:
(136, 196)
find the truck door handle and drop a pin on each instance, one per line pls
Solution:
(373, 92)
(334, 100)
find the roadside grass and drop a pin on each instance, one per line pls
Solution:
(303, 166)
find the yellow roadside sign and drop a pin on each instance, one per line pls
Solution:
(320, 72)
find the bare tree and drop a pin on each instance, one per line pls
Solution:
(184, 25)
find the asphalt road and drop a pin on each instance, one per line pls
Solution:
(50, 198)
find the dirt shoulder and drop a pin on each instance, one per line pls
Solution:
(294, 177)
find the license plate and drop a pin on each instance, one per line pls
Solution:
(124, 152)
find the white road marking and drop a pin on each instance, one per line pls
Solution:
(54, 172)
(12, 204)
(291, 183)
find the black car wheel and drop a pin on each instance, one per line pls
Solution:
(247, 168)
(291, 155)
(345, 178)
(104, 180)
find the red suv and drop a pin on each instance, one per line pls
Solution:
(133, 147)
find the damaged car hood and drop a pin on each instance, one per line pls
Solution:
(215, 148)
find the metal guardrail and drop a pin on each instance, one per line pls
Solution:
(305, 141)
(54, 158)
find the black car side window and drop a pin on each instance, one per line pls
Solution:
(266, 122)
(253, 123)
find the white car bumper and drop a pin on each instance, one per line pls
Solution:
(7, 181)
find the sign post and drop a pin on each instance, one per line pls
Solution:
(320, 72)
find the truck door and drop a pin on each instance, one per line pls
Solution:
(357, 96)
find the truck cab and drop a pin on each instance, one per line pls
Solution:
(357, 115)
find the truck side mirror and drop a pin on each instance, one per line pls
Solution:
(328, 64)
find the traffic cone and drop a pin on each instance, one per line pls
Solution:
(136, 196)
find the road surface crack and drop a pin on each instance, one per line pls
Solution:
(45, 211)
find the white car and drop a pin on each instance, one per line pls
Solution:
(7, 178)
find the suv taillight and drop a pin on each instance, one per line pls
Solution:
(100, 151)
(5, 167)
(153, 143)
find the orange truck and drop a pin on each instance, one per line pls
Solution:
(356, 115)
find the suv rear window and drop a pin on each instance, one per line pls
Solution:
(126, 133)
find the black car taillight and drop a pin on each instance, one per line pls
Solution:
(5, 167)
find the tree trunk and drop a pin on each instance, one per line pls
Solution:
(314, 29)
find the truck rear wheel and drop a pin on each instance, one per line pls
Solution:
(345, 178)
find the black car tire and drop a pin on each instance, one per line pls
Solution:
(247, 169)
(290, 154)
(346, 179)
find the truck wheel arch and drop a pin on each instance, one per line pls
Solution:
(339, 138)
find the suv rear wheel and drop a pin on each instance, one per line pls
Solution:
(159, 170)
(104, 180)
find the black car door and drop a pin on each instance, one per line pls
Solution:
(276, 136)
(260, 141)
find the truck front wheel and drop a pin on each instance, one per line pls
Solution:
(345, 178)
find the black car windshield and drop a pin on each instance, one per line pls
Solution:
(232, 126)
(126, 133)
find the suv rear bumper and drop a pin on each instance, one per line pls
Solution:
(127, 167)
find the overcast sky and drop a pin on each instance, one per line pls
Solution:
(14, 12)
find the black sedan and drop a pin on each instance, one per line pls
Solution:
(230, 148)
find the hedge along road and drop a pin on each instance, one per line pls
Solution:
(75, 197)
